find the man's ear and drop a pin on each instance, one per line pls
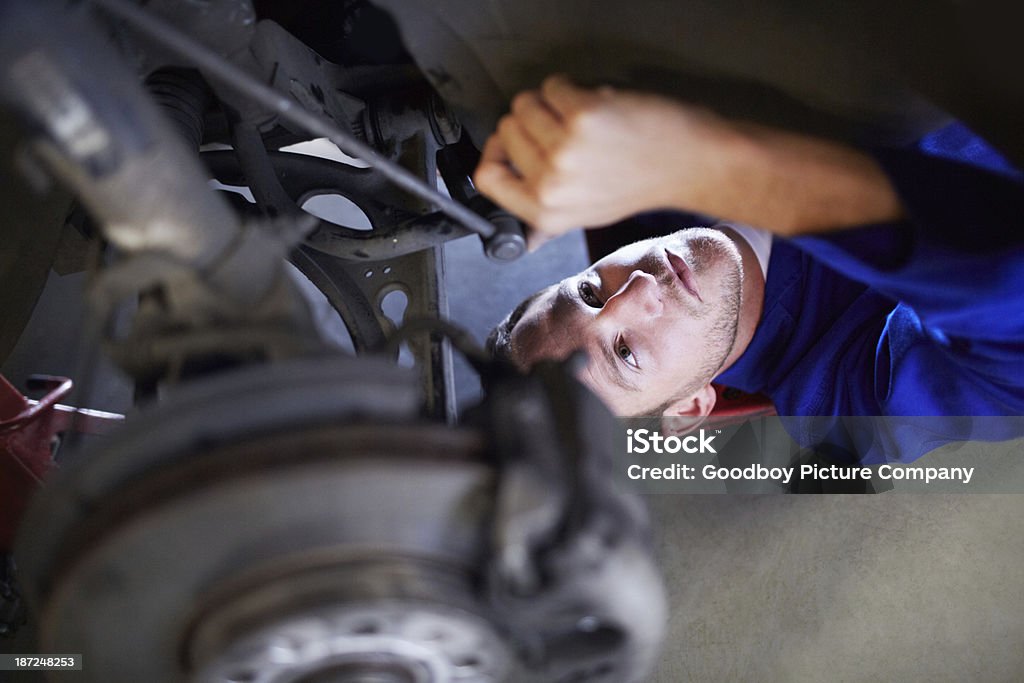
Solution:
(686, 414)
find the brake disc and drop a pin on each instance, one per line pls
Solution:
(272, 549)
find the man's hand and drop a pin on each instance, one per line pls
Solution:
(568, 157)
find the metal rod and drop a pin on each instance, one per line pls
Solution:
(218, 68)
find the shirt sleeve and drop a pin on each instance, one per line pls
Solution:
(954, 344)
(958, 258)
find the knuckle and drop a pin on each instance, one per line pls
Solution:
(522, 101)
(506, 125)
(583, 120)
(551, 83)
(549, 190)
(562, 159)
(552, 80)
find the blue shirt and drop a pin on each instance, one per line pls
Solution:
(919, 318)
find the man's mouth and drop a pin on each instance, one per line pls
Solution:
(685, 275)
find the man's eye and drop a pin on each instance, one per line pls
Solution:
(624, 352)
(589, 296)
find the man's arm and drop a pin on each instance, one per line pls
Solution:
(568, 157)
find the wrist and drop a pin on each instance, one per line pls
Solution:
(725, 171)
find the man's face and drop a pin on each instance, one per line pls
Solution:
(656, 319)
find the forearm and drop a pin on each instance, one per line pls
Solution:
(789, 183)
(795, 184)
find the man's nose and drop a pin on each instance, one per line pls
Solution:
(639, 294)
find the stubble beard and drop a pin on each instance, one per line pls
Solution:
(707, 249)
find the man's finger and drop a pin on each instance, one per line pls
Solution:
(493, 151)
(523, 152)
(539, 120)
(495, 178)
(565, 97)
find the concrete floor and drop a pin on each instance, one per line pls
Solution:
(894, 587)
(897, 587)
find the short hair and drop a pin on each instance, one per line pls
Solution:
(499, 341)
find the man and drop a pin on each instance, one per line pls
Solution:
(922, 313)
(658, 320)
